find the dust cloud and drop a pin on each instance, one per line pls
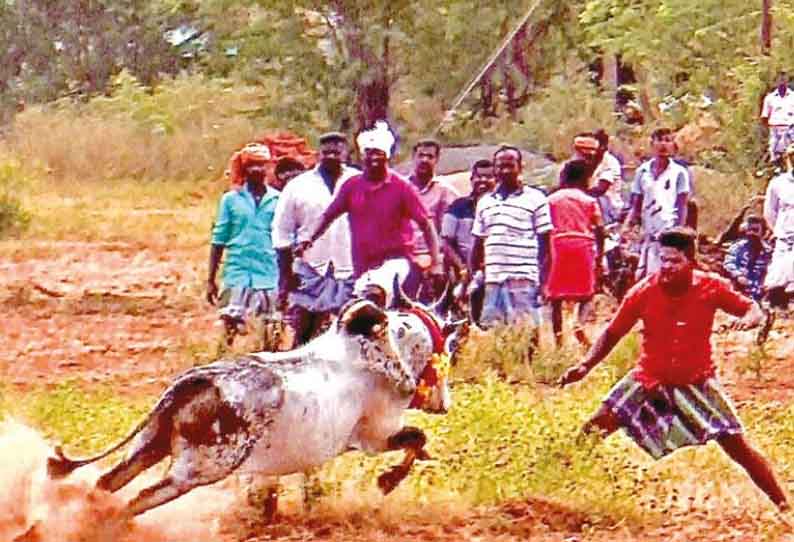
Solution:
(34, 508)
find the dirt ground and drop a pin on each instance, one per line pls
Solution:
(133, 316)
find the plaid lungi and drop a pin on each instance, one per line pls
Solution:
(780, 137)
(319, 293)
(238, 303)
(670, 417)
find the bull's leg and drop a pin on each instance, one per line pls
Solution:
(271, 504)
(123, 473)
(263, 494)
(191, 468)
(412, 440)
(162, 492)
(151, 448)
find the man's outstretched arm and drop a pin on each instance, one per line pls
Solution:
(600, 350)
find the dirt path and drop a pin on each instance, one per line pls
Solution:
(132, 317)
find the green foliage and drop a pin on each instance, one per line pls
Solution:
(89, 421)
(49, 49)
(503, 352)
(683, 51)
(14, 218)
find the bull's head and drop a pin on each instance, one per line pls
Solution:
(431, 364)
(367, 324)
(443, 310)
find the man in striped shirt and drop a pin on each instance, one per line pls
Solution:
(511, 231)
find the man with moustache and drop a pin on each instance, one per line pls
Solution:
(243, 230)
(458, 240)
(673, 398)
(436, 198)
(748, 258)
(659, 196)
(320, 282)
(511, 240)
(381, 207)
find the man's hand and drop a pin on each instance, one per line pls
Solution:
(301, 247)
(212, 292)
(282, 299)
(743, 282)
(574, 374)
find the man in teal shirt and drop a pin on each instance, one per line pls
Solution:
(243, 230)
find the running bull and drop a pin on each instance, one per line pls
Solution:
(282, 413)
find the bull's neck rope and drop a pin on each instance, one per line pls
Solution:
(437, 366)
(432, 327)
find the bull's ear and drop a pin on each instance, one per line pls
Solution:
(362, 318)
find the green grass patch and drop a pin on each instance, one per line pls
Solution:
(83, 420)
(500, 442)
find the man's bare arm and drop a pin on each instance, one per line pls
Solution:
(681, 208)
(477, 255)
(600, 350)
(635, 209)
(216, 254)
(431, 238)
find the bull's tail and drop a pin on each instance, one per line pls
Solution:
(61, 466)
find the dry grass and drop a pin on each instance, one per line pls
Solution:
(184, 129)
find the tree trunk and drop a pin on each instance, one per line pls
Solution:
(766, 26)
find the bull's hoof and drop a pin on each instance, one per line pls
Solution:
(389, 480)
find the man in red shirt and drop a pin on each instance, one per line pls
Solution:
(380, 206)
(673, 398)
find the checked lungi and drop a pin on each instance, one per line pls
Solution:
(239, 303)
(667, 418)
(780, 137)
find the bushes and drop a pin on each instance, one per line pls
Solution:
(13, 216)
(185, 129)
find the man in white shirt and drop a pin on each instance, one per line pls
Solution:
(777, 114)
(607, 180)
(779, 214)
(320, 281)
(659, 197)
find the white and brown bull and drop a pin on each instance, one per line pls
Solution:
(281, 413)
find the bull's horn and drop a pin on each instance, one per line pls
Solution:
(400, 299)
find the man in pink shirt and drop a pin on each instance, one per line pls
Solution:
(380, 206)
(673, 398)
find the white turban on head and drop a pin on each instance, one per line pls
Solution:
(379, 137)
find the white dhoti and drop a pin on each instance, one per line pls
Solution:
(383, 277)
(780, 272)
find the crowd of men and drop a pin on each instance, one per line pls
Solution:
(304, 242)
(336, 232)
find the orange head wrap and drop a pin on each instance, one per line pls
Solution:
(585, 142)
(253, 153)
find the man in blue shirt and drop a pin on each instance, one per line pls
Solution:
(243, 230)
(748, 259)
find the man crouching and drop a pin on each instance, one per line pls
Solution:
(672, 398)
